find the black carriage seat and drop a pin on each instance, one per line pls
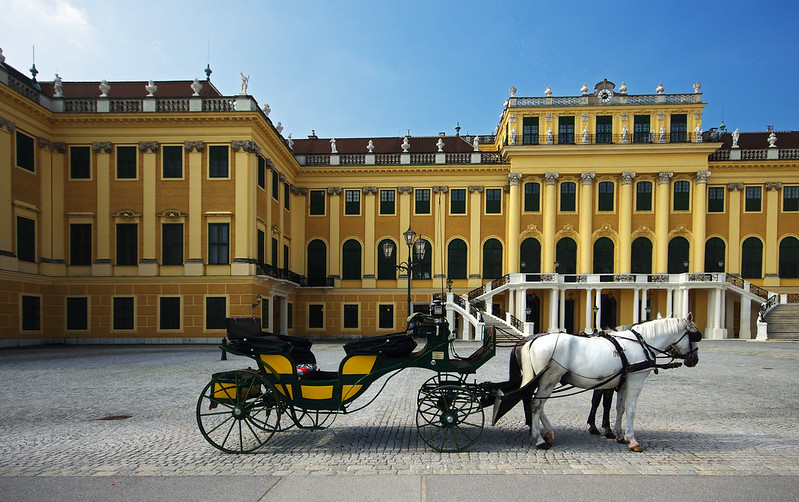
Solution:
(394, 345)
(244, 334)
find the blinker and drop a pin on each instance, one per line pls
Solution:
(694, 336)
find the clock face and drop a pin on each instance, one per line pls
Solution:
(604, 95)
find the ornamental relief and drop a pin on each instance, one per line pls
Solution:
(171, 214)
(126, 214)
(605, 231)
(567, 231)
(681, 231)
(643, 231)
(531, 231)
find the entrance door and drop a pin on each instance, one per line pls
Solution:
(608, 319)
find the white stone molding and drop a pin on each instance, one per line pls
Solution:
(702, 176)
(627, 177)
(665, 177)
(551, 178)
(623, 88)
(512, 91)
(404, 189)
(370, 190)
(440, 189)
(334, 190)
(101, 146)
(587, 178)
(548, 92)
(247, 146)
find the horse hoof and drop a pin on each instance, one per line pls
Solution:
(593, 430)
(549, 437)
(621, 440)
(542, 446)
(610, 435)
(637, 448)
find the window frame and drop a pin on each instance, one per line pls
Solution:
(384, 202)
(77, 249)
(317, 203)
(457, 206)
(170, 247)
(532, 198)
(711, 204)
(123, 313)
(126, 167)
(638, 192)
(76, 155)
(30, 312)
(604, 129)
(126, 244)
(421, 201)
(79, 308)
(350, 316)
(218, 246)
(681, 199)
(260, 173)
(678, 130)
(493, 205)
(172, 165)
(571, 196)
(385, 316)
(218, 165)
(351, 261)
(566, 125)
(175, 318)
(316, 316)
(530, 131)
(25, 152)
(26, 239)
(211, 316)
(749, 202)
(352, 202)
(793, 192)
(606, 200)
(642, 131)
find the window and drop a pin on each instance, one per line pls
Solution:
(127, 244)
(80, 244)
(172, 162)
(316, 316)
(422, 196)
(215, 312)
(352, 202)
(568, 191)
(217, 161)
(351, 260)
(261, 175)
(753, 199)
(604, 129)
(285, 257)
(169, 312)
(532, 197)
(172, 244)
(317, 202)
(317, 263)
(566, 130)
(752, 258)
(25, 158)
(80, 162)
(261, 246)
(679, 128)
(605, 202)
(265, 314)
(714, 255)
(789, 258)
(641, 262)
(493, 200)
(350, 316)
(386, 267)
(275, 185)
(126, 162)
(603, 256)
(77, 313)
(678, 257)
(26, 239)
(456, 259)
(457, 201)
(274, 252)
(492, 259)
(286, 198)
(218, 241)
(682, 190)
(643, 196)
(715, 199)
(530, 256)
(123, 313)
(641, 129)
(790, 198)
(31, 313)
(566, 256)
(385, 316)
(530, 130)
(387, 201)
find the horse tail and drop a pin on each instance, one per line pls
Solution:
(528, 373)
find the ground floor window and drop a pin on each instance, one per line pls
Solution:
(215, 312)
(350, 316)
(385, 316)
(31, 313)
(123, 313)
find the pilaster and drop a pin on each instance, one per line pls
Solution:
(148, 266)
(195, 172)
(475, 245)
(334, 195)
(245, 246)
(6, 214)
(550, 214)
(102, 263)
(771, 247)
(625, 222)
(369, 245)
(734, 230)
(699, 223)
(586, 212)
(513, 230)
(662, 222)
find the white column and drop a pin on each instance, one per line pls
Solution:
(598, 306)
(669, 302)
(746, 318)
(553, 310)
(684, 305)
(636, 306)
(644, 303)
(562, 316)
(588, 312)
(521, 304)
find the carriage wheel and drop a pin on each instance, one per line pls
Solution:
(449, 418)
(238, 411)
(438, 380)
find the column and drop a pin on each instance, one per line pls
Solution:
(699, 222)
(589, 303)
(195, 172)
(636, 306)
(297, 247)
(598, 306)
(439, 238)
(102, 264)
(626, 223)
(369, 245)
(245, 245)
(513, 230)
(746, 319)
(334, 194)
(586, 211)
(771, 247)
(148, 266)
(662, 223)
(475, 246)
(669, 302)
(734, 231)
(57, 206)
(562, 310)
(553, 311)
(44, 247)
(549, 230)
(644, 303)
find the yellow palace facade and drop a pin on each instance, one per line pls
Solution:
(151, 211)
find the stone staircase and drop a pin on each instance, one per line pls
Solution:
(783, 322)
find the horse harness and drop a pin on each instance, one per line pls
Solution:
(649, 352)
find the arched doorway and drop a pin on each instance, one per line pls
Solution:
(317, 263)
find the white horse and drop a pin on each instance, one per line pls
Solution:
(600, 363)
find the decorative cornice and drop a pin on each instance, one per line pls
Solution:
(247, 146)
(587, 178)
(665, 177)
(605, 230)
(476, 188)
(298, 190)
(627, 178)
(101, 146)
(334, 190)
(732, 187)
(171, 214)
(551, 178)
(702, 176)
(514, 179)
(440, 189)
(275, 230)
(531, 230)
(370, 190)
(151, 146)
(405, 189)
(9, 125)
(126, 214)
(282, 178)
(190, 146)
(773, 185)
(53, 146)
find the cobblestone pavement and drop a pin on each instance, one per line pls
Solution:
(733, 414)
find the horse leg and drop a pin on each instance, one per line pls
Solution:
(595, 398)
(548, 381)
(546, 429)
(633, 391)
(607, 401)
(621, 397)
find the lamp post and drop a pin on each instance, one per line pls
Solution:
(414, 244)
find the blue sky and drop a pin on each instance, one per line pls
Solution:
(369, 69)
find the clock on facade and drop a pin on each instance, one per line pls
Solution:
(604, 95)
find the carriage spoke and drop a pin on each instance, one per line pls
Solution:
(449, 418)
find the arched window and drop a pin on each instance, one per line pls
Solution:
(351, 260)
(492, 259)
(386, 267)
(603, 256)
(530, 256)
(641, 262)
(456, 259)
(423, 268)
(789, 258)
(715, 250)
(678, 255)
(317, 263)
(752, 258)
(566, 256)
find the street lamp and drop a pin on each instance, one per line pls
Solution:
(418, 246)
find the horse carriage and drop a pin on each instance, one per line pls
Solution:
(238, 411)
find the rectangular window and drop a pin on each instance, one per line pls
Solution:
(25, 152)
(641, 129)
(215, 312)
(790, 198)
(568, 192)
(566, 130)
(352, 202)
(316, 316)
(532, 197)
(265, 314)
(77, 313)
(217, 161)
(604, 129)
(457, 201)
(493, 200)
(31, 313)
(643, 196)
(126, 162)
(169, 312)
(275, 185)
(317, 202)
(172, 244)
(172, 162)
(123, 313)
(286, 198)
(350, 316)
(261, 246)
(26, 239)
(387, 201)
(385, 316)
(606, 192)
(285, 257)
(753, 199)
(261, 172)
(127, 244)
(682, 191)
(422, 201)
(678, 132)
(530, 130)
(218, 243)
(715, 199)
(274, 252)
(80, 244)
(80, 163)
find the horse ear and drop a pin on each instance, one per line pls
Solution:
(690, 317)
(660, 316)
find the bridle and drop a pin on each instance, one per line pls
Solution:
(694, 336)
